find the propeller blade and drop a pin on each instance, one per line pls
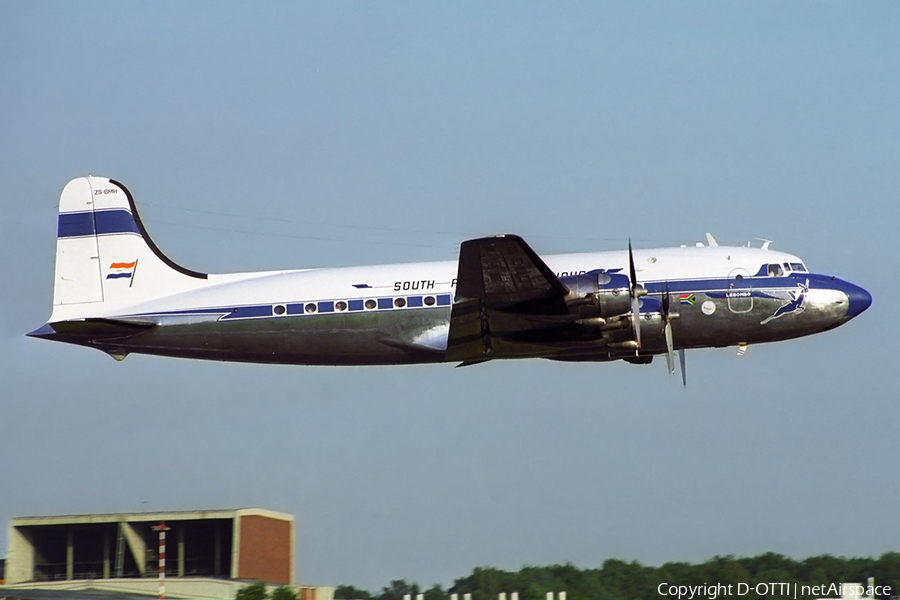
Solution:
(670, 346)
(683, 371)
(635, 303)
(631, 268)
(670, 350)
(636, 318)
(665, 303)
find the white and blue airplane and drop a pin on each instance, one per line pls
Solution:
(114, 290)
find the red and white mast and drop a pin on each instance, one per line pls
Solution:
(162, 529)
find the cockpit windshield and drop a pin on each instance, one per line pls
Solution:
(782, 270)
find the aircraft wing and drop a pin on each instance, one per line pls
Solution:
(508, 302)
(504, 271)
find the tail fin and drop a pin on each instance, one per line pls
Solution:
(104, 258)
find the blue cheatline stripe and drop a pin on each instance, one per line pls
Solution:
(80, 224)
(243, 312)
(704, 286)
(115, 221)
(292, 308)
(75, 224)
(713, 288)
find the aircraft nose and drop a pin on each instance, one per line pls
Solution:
(859, 298)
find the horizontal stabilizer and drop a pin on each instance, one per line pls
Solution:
(89, 331)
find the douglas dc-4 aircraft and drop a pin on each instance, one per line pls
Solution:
(116, 291)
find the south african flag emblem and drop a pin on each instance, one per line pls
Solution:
(687, 298)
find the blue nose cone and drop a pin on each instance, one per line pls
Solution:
(860, 300)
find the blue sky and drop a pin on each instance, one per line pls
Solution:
(290, 135)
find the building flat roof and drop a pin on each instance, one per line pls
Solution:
(181, 515)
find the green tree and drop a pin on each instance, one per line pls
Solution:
(284, 592)
(435, 592)
(886, 571)
(621, 580)
(397, 590)
(348, 592)
(254, 591)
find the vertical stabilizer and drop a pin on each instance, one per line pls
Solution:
(105, 261)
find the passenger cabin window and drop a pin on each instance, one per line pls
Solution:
(775, 271)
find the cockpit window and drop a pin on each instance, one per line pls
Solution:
(798, 267)
(787, 267)
(775, 270)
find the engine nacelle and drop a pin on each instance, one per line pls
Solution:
(606, 293)
(622, 337)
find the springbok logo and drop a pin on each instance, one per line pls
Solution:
(794, 303)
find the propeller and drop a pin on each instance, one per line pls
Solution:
(636, 290)
(670, 346)
(667, 318)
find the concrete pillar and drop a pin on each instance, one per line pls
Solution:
(120, 550)
(20, 556)
(514, 596)
(561, 596)
(70, 556)
(105, 553)
(181, 551)
(549, 596)
(501, 596)
(137, 545)
(236, 546)
(454, 596)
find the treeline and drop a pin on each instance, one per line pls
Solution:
(258, 591)
(619, 580)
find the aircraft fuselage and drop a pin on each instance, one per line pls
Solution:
(399, 314)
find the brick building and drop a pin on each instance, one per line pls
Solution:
(209, 554)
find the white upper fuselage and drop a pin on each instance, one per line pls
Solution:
(310, 285)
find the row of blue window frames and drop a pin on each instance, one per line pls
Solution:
(370, 304)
